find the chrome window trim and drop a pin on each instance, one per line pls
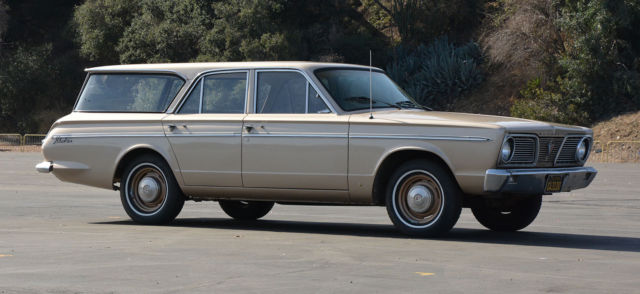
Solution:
(304, 74)
(434, 138)
(202, 81)
(306, 101)
(200, 78)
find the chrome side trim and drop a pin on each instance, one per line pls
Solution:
(106, 135)
(434, 138)
(206, 135)
(335, 136)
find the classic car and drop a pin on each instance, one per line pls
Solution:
(251, 134)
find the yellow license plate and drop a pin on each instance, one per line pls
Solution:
(554, 184)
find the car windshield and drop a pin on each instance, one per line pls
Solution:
(350, 89)
(128, 92)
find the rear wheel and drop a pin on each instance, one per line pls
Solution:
(246, 210)
(507, 217)
(423, 199)
(149, 192)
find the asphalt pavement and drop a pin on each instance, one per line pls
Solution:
(58, 237)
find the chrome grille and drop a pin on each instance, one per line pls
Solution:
(534, 151)
(567, 155)
(548, 150)
(524, 151)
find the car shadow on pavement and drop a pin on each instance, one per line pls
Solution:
(523, 238)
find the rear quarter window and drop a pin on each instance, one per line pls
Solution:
(128, 92)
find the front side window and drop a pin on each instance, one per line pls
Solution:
(287, 92)
(350, 89)
(128, 93)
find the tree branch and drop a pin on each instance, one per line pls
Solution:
(387, 10)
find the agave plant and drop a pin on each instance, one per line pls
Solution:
(437, 73)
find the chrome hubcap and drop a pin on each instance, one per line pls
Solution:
(419, 198)
(148, 189)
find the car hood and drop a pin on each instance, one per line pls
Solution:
(510, 124)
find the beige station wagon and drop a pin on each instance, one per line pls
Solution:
(252, 134)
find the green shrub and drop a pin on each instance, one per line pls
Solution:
(602, 59)
(547, 105)
(438, 73)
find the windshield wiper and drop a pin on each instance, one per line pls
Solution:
(409, 104)
(366, 100)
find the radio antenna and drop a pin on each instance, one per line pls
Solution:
(370, 86)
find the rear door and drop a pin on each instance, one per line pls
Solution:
(205, 131)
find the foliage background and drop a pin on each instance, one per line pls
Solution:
(570, 61)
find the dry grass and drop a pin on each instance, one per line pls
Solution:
(519, 38)
(618, 139)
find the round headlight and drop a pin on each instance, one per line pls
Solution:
(582, 150)
(507, 150)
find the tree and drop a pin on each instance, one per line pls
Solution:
(249, 30)
(4, 18)
(100, 25)
(602, 59)
(165, 31)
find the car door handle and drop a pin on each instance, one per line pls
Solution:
(248, 128)
(171, 127)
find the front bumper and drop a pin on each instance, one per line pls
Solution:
(532, 181)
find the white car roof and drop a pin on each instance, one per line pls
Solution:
(191, 70)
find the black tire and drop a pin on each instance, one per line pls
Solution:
(510, 217)
(246, 210)
(142, 177)
(423, 199)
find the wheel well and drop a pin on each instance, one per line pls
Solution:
(130, 156)
(392, 162)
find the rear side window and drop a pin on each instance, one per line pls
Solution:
(128, 92)
(222, 93)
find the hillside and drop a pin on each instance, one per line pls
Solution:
(625, 127)
(617, 139)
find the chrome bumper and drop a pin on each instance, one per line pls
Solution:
(44, 167)
(532, 181)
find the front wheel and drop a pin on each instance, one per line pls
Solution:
(246, 210)
(509, 217)
(423, 199)
(149, 192)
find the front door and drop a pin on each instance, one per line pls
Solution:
(205, 131)
(293, 140)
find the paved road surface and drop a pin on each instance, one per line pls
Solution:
(63, 238)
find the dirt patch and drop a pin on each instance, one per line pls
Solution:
(618, 139)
